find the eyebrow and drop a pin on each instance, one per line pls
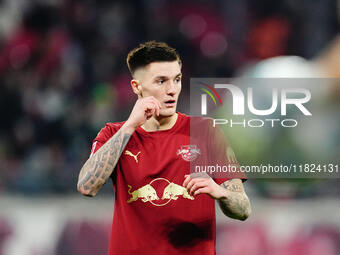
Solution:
(166, 77)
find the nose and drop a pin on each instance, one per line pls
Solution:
(171, 88)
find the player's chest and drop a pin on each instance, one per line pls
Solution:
(154, 156)
(153, 170)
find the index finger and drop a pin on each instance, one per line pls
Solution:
(157, 101)
(187, 180)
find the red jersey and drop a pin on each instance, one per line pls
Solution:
(153, 212)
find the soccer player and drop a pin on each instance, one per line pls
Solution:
(160, 208)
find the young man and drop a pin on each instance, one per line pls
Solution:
(159, 207)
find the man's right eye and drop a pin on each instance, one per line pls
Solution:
(160, 82)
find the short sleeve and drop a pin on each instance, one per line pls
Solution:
(102, 137)
(223, 157)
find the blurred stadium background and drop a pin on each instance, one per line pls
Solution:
(63, 75)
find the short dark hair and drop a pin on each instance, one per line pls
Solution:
(149, 52)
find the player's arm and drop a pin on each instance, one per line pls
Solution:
(98, 168)
(230, 195)
(234, 202)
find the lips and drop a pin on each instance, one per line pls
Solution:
(170, 103)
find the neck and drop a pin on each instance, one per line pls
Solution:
(160, 123)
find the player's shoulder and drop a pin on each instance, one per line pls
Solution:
(203, 121)
(198, 124)
(109, 130)
(194, 118)
(114, 125)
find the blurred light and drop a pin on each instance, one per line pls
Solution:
(285, 67)
(213, 44)
(51, 104)
(192, 26)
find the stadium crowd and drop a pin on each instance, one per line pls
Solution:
(63, 72)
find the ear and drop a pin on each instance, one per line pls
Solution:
(136, 87)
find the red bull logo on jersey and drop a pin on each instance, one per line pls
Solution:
(147, 193)
(189, 152)
(173, 190)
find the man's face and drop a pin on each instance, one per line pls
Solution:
(162, 80)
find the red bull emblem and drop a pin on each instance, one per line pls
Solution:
(147, 193)
(188, 152)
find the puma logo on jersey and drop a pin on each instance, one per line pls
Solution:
(134, 156)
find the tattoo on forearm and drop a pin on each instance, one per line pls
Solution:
(126, 138)
(100, 166)
(237, 204)
(232, 187)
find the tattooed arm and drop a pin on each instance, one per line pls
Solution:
(235, 202)
(230, 195)
(98, 168)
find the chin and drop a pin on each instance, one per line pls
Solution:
(167, 112)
